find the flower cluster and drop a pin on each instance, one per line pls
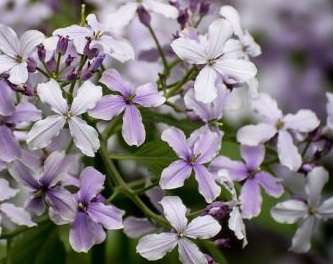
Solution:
(71, 113)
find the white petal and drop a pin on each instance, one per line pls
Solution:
(9, 42)
(190, 50)
(205, 85)
(303, 121)
(44, 130)
(166, 10)
(50, 93)
(232, 15)
(289, 212)
(175, 212)
(29, 41)
(253, 135)
(85, 136)
(18, 74)
(236, 224)
(326, 209)
(315, 181)
(203, 227)
(189, 253)
(267, 108)
(122, 16)
(329, 109)
(17, 215)
(288, 152)
(120, 49)
(86, 98)
(301, 242)
(6, 191)
(6, 63)
(156, 246)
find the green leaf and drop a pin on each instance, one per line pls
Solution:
(39, 245)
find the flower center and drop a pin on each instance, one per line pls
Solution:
(82, 207)
(128, 99)
(279, 124)
(68, 115)
(19, 59)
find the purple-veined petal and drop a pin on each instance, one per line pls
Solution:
(85, 137)
(9, 42)
(6, 98)
(29, 41)
(326, 209)
(203, 227)
(208, 187)
(236, 224)
(250, 199)
(53, 168)
(6, 191)
(147, 95)
(23, 174)
(175, 212)
(121, 17)
(93, 23)
(189, 253)
(177, 141)
(267, 108)
(133, 130)
(253, 155)
(119, 49)
(175, 174)
(253, 135)
(303, 121)
(289, 212)
(36, 205)
(50, 93)
(137, 227)
(43, 131)
(109, 216)
(85, 233)
(108, 107)
(236, 169)
(315, 182)
(156, 246)
(91, 183)
(218, 33)
(6, 63)
(190, 50)
(114, 81)
(207, 146)
(301, 242)
(205, 89)
(24, 112)
(18, 74)
(86, 98)
(231, 14)
(271, 184)
(288, 152)
(16, 214)
(164, 9)
(9, 148)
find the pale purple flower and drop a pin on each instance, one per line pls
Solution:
(329, 110)
(135, 227)
(47, 187)
(221, 57)
(14, 214)
(123, 15)
(100, 37)
(252, 176)
(92, 215)
(126, 101)
(201, 148)
(85, 136)
(274, 123)
(16, 52)
(156, 246)
(307, 212)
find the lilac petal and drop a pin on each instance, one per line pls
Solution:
(92, 182)
(117, 48)
(175, 212)
(303, 121)
(253, 155)
(23, 174)
(175, 174)
(289, 212)
(137, 227)
(17, 215)
(29, 41)
(189, 253)
(203, 227)
(267, 108)
(236, 224)
(133, 130)
(253, 135)
(271, 184)
(250, 199)
(53, 168)
(6, 192)
(10, 150)
(85, 233)
(9, 42)
(147, 95)
(165, 9)
(177, 141)
(122, 16)
(315, 182)
(25, 112)
(189, 50)
(236, 169)
(288, 152)
(6, 99)
(109, 216)
(156, 246)
(113, 80)
(326, 209)
(208, 187)
(301, 242)
(207, 146)
(3, 165)
(36, 205)
(108, 107)
(18, 74)
(205, 85)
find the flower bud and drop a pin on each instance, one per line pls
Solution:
(183, 18)
(90, 52)
(204, 8)
(144, 16)
(41, 52)
(223, 243)
(86, 74)
(218, 210)
(97, 62)
(69, 60)
(71, 76)
(31, 65)
(51, 65)
(62, 45)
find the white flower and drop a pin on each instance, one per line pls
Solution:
(85, 137)
(16, 51)
(156, 246)
(221, 56)
(308, 211)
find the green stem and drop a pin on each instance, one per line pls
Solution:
(43, 72)
(178, 86)
(132, 157)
